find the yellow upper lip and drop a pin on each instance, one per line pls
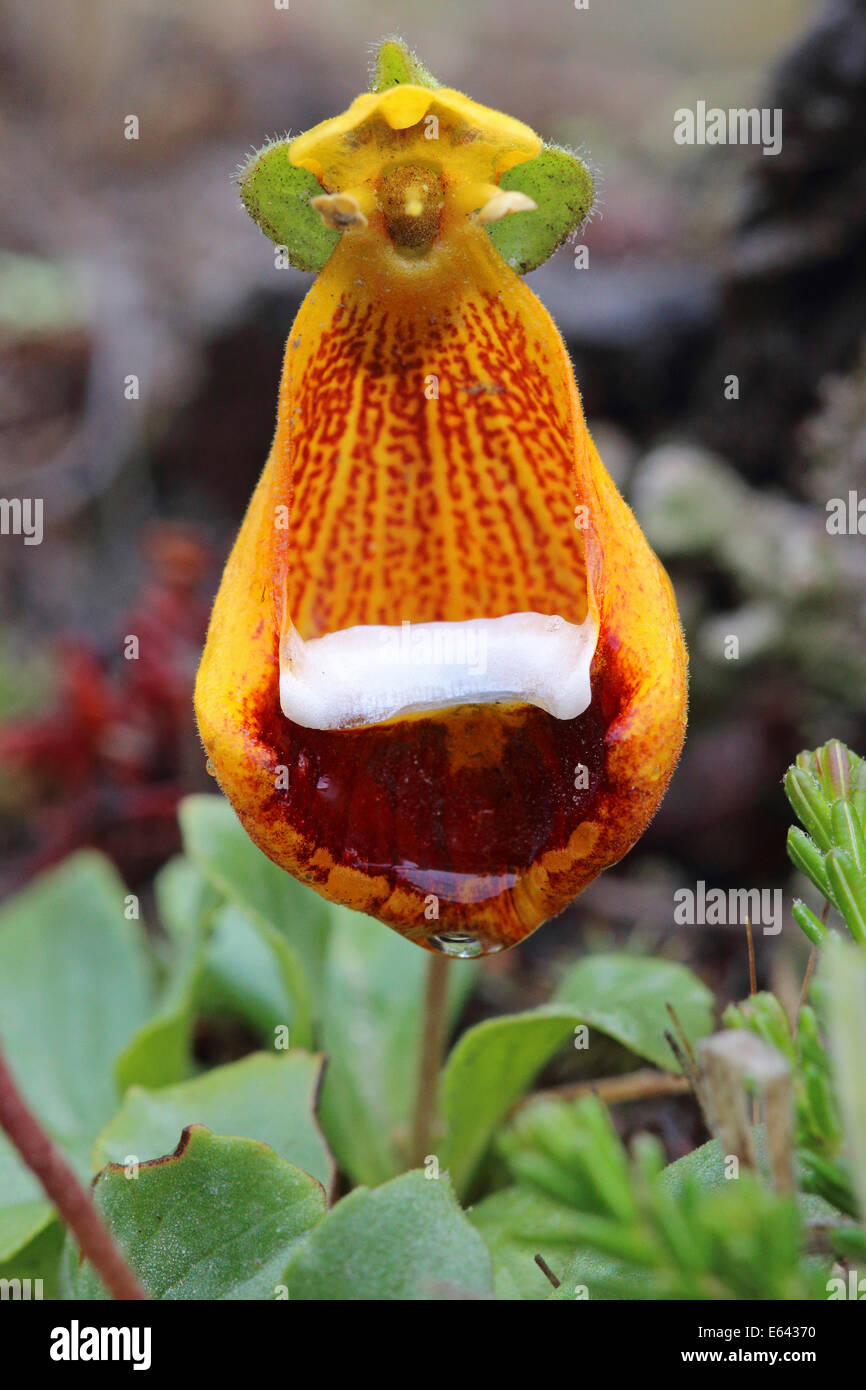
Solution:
(348, 149)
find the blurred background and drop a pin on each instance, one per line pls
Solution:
(132, 259)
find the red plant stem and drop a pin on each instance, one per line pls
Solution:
(63, 1188)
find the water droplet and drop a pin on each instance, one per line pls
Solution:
(459, 944)
(209, 768)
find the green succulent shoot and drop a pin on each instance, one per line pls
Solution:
(827, 790)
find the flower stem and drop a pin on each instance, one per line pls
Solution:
(645, 1084)
(433, 1041)
(63, 1188)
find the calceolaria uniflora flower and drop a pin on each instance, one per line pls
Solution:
(445, 681)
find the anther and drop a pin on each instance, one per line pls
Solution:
(339, 210)
(505, 201)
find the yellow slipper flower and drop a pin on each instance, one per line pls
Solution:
(444, 681)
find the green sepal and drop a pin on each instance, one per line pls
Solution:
(395, 64)
(277, 197)
(561, 186)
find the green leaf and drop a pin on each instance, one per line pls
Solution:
(701, 1170)
(809, 802)
(406, 1241)
(626, 997)
(161, 1051)
(572, 1153)
(372, 1020)
(490, 1067)
(805, 855)
(251, 972)
(185, 900)
(848, 834)
(217, 1219)
(494, 1063)
(24, 1212)
(811, 926)
(849, 892)
(38, 1259)
(604, 1278)
(268, 1098)
(850, 1243)
(843, 969)
(395, 64)
(218, 845)
(561, 186)
(517, 1224)
(277, 196)
(75, 985)
(764, 1015)
(706, 1166)
(834, 769)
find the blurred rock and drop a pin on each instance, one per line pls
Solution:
(794, 273)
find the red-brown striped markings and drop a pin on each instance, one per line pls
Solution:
(451, 508)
